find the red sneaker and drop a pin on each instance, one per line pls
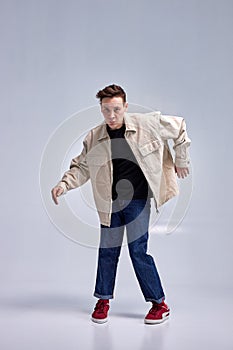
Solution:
(158, 313)
(100, 314)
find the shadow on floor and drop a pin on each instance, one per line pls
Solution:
(49, 302)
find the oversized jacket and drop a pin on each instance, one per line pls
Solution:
(147, 135)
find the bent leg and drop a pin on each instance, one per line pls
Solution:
(145, 270)
(137, 216)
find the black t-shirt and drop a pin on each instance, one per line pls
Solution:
(129, 181)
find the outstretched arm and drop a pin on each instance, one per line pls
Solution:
(76, 176)
(172, 127)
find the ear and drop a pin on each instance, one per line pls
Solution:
(126, 105)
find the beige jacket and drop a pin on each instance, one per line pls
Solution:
(147, 134)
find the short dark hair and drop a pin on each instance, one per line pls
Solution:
(111, 91)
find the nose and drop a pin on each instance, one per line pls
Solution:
(112, 115)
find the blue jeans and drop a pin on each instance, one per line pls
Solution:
(134, 215)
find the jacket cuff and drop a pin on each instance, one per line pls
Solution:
(63, 186)
(182, 163)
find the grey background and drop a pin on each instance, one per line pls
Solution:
(175, 56)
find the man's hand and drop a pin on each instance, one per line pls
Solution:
(181, 172)
(56, 192)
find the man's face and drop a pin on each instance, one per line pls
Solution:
(113, 109)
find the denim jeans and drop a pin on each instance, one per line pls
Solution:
(134, 215)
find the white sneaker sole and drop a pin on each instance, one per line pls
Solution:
(165, 317)
(96, 320)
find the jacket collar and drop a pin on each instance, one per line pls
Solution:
(129, 126)
(103, 134)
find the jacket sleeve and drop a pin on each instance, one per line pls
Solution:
(78, 173)
(173, 127)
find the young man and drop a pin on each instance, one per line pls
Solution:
(128, 161)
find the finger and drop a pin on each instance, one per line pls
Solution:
(54, 196)
(59, 191)
(186, 172)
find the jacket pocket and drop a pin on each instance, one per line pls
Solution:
(149, 147)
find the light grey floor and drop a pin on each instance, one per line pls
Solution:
(40, 319)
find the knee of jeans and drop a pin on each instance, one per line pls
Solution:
(138, 247)
(136, 251)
